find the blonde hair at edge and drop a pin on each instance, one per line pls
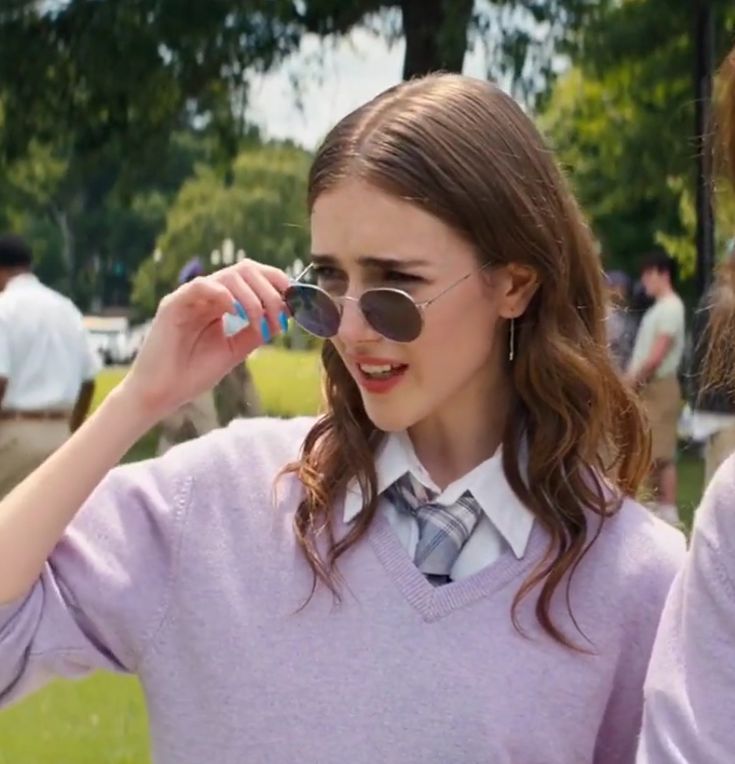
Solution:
(464, 151)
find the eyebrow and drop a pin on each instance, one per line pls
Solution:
(371, 262)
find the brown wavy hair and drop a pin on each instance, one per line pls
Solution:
(725, 116)
(465, 152)
(718, 371)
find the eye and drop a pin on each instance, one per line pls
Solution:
(405, 278)
(326, 273)
(330, 279)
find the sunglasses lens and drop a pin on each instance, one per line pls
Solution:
(313, 309)
(392, 314)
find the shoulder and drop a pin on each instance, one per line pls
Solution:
(233, 466)
(671, 307)
(641, 551)
(246, 456)
(63, 303)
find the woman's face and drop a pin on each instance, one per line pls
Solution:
(364, 238)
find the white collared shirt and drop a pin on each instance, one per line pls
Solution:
(506, 522)
(44, 350)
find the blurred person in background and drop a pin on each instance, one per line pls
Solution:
(690, 685)
(621, 326)
(653, 370)
(47, 366)
(713, 342)
(233, 396)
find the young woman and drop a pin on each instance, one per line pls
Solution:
(442, 568)
(689, 710)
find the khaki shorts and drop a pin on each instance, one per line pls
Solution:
(25, 445)
(662, 403)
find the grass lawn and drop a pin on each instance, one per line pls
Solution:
(287, 381)
(102, 719)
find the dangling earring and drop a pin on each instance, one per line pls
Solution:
(512, 341)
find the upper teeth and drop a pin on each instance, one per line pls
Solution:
(375, 368)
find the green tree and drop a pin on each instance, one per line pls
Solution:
(90, 228)
(521, 38)
(262, 210)
(100, 89)
(622, 122)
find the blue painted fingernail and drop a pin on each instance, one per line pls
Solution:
(265, 330)
(283, 321)
(233, 324)
(240, 311)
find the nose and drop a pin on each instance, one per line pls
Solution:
(353, 328)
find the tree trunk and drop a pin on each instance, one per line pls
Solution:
(436, 35)
(67, 245)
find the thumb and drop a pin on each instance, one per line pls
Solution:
(244, 342)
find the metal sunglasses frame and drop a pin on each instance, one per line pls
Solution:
(420, 306)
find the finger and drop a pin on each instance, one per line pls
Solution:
(201, 295)
(270, 298)
(276, 276)
(250, 307)
(243, 343)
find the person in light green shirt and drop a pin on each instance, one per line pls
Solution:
(653, 367)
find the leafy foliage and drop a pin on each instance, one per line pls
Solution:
(262, 210)
(622, 121)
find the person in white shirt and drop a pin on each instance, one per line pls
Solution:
(47, 367)
(653, 367)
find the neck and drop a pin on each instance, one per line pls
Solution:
(465, 432)
(665, 291)
(8, 274)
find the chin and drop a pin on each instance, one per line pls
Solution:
(393, 417)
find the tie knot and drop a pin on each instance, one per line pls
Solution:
(408, 494)
(443, 530)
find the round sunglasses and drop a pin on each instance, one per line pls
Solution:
(391, 312)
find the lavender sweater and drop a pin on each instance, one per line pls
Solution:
(691, 682)
(185, 570)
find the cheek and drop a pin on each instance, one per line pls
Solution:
(454, 338)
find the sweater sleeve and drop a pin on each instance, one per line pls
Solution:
(688, 694)
(652, 561)
(103, 592)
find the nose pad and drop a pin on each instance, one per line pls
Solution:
(354, 328)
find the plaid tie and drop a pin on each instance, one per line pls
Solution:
(443, 531)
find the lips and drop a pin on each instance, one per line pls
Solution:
(377, 375)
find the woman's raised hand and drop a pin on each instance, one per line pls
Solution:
(187, 350)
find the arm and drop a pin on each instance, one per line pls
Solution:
(82, 405)
(103, 593)
(34, 515)
(4, 358)
(688, 692)
(185, 353)
(78, 556)
(661, 347)
(660, 555)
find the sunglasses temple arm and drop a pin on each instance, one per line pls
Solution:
(304, 272)
(426, 303)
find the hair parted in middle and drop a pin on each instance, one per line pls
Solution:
(575, 442)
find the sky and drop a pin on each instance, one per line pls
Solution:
(353, 70)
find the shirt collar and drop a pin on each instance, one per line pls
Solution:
(22, 279)
(487, 483)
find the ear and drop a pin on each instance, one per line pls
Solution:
(516, 286)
